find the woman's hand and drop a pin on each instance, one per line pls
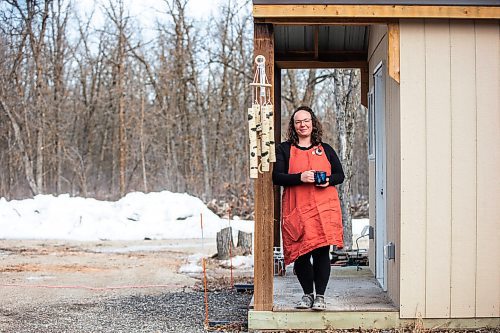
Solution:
(307, 176)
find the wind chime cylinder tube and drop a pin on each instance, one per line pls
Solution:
(252, 135)
(265, 138)
(257, 116)
(272, 151)
(257, 112)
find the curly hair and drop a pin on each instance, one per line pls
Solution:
(317, 131)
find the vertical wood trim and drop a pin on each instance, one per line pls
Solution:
(277, 139)
(393, 51)
(438, 124)
(463, 169)
(264, 195)
(488, 167)
(413, 169)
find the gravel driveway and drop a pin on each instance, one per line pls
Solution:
(169, 312)
(28, 267)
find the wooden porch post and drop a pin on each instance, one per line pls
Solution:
(264, 195)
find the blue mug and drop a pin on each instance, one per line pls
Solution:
(319, 177)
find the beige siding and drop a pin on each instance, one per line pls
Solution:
(488, 169)
(413, 169)
(377, 53)
(438, 165)
(463, 169)
(450, 160)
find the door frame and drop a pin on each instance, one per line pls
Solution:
(380, 150)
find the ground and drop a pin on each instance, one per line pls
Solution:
(150, 296)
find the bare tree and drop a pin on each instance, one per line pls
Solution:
(28, 32)
(103, 113)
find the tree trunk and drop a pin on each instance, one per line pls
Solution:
(225, 244)
(346, 96)
(245, 242)
(28, 164)
(121, 115)
(143, 159)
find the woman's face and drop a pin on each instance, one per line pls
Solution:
(302, 123)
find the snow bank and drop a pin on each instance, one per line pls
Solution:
(157, 215)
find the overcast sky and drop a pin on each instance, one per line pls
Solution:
(147, 12)
(146, 9)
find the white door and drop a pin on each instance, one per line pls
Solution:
(380, 175)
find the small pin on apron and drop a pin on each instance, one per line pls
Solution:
(317, 151)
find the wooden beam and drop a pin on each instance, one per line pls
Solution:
(375, 11)
(293, 64)
(277, 139)
(359, 320)
(324, 58)
(326, 55)
(393, 50)
(312, 320)
(322, 21)
(264, 194)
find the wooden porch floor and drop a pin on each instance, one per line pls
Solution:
(348, 290)
(354, 300)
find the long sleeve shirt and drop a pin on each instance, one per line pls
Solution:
(283, 178)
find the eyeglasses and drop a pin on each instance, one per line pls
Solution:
(305, 121)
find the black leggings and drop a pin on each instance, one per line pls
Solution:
(316, 274)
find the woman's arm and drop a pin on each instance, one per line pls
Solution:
(280, 170)
(337, 173)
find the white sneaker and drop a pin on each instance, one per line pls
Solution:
(319, 303)
(306, 302)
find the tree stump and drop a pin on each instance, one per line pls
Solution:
(245, 242)
(224, 243)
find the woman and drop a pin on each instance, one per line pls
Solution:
(312, 219)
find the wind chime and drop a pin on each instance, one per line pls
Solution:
(261, 122)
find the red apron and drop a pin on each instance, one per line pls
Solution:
(311, 214)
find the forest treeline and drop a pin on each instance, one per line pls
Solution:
(100, 111)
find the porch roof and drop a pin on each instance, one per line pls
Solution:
(322, 44)
(334, 33)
